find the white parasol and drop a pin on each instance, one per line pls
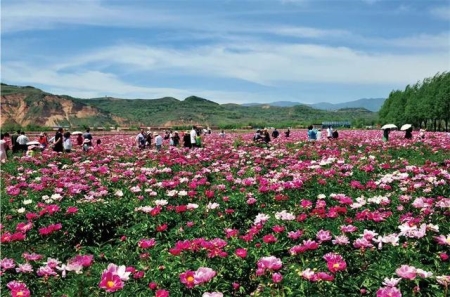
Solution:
(405, 127)
(76, 133)
(33, 142)
(389, 126)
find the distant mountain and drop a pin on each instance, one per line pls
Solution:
(373, 104)
(28, 107)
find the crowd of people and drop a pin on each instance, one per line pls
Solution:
(61, 142)
(189, 139)
(21, 144)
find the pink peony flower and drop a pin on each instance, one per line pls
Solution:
(7, 263)
(241, 253)
(203, 275)
(389, 292)
(18, 289)
(147, 243)
(24, 268)
(277, 277)
(110, 282)
(407, 272)
(119, 271)
(187, 278)
(270, 263)
(45, 271)
(162, 293)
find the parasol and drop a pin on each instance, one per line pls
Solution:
(33, 143)
(389, 126)
(405, 127)
(76, 133)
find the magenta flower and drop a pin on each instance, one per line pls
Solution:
(277, 277)
(18, 289)
(407, 272)
(241, 253)
(187, 278)
(389, 292)
(162, 293)
(147, 243)
(110, 282)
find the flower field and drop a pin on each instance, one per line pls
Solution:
(352, 217)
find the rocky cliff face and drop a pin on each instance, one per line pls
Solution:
(50, 110)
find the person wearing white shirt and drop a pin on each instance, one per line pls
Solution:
(193, 134)
(158, 141)
(22, 142)
(329, 133)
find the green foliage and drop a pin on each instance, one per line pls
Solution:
(425, 104)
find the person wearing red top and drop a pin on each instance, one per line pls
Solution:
(43, 140)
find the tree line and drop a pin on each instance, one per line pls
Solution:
(425, 104)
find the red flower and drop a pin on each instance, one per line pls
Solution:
(161, 228)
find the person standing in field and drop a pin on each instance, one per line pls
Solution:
(330, 133)
(386, 134)
(266, 136)
(88, 135)
(186, 139)
(148, 139)
(80, 139)
(67, 142)
(193, 135)
(408, 133)
(312, 135)
(22, 142)
(58, 142)
(319, 134)
(15, 146)
(140, 139)
(175, 138)
(3, 148)
(158, 141)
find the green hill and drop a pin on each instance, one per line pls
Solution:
(172, 112)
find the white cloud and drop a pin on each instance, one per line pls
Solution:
(92, 84)
(307, 32)
(20, 15)
(442, 12)
(266, 64)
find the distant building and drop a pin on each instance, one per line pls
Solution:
(342, 124)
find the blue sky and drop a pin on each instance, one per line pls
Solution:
(228, 51)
